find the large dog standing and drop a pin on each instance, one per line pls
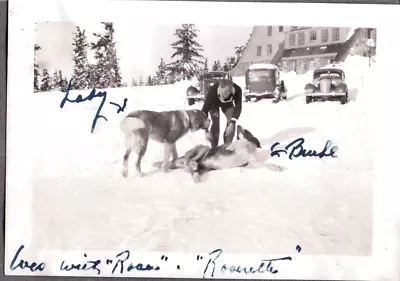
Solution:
(202, 159)
(165, 127)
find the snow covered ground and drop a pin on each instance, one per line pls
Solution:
(81, 201)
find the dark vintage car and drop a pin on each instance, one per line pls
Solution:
(263, 81)
(206, 80)
(328, 83)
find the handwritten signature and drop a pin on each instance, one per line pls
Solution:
(298, 150)
(93, 94)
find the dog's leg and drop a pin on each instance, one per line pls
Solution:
(141, 150)
(126, 163)
(174, 152)
(129, 144)
(167, 154)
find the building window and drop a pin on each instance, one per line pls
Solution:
(335, 34)
(301, 39)
(269, 50)
(292, 40)
(313, 36)
(324, 35)
(280, 28)
(269, 31)
(258, 51)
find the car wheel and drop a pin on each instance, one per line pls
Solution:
(190, 101)
(308, 99)
(343, 99)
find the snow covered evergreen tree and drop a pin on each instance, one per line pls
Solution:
(149, 81)
(141, 83)
(46, 81)
(229, 64)
(205, 68)
(107, 73)
(216, 65)
(154, 81)
(134, 83)
(61, 83)
(161, 74)
(360, 46)
(188, 51)
(239, 50)
(93, 82)
(55, 81)
(80, 80)
(64, 84)
(36, 72)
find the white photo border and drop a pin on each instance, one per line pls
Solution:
(384, 264)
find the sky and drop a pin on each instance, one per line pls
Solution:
(139, 48)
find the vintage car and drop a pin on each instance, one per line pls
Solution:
(206, 80)
(263, 81)
(328, 83)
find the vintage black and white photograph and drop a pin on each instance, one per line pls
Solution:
(188, 137)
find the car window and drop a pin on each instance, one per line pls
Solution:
(260, 73)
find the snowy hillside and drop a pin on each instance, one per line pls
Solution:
(78, 175)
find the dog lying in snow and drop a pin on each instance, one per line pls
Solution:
(202, 158)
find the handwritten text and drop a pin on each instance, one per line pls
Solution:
(93, 94)
(296, 149)
(265, 266)
(23, 264)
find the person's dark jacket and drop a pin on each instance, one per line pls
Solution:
(212, 100)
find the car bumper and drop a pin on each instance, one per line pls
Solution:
(196, 97)
(259, 95)
(318, 94)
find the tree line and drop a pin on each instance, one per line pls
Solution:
(187, 62)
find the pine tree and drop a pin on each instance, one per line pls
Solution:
(106, 71)
(54, 81)
(239, 50)
(141, 83)
(188, 50)
(149, 81)
(36, 73)
(216, 65)
(93, 77)
(161, 74)
(134, 83)
(205, 69)
(46, 81)
(64, 84)
(154, 81)
(81, 66)
(229, 64)
(61, 82)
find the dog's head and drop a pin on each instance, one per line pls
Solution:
(198, 120)
(242, 133)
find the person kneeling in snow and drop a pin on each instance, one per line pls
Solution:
(228, 96)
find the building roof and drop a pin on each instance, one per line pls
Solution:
(312, 51)
(263, 66)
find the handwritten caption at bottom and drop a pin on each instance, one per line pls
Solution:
(123, 264)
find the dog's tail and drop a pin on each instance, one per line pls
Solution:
(129, 124)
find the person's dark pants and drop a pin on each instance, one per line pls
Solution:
(215, 130)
